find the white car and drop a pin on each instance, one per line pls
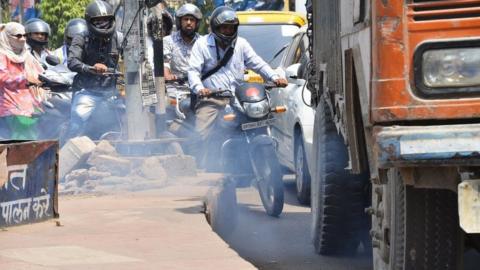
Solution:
(294, 129)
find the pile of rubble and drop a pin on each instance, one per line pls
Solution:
(89, 168)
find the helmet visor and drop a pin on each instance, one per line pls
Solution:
(102, 22)
(227, 17)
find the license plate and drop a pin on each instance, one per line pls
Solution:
(258, 124)
(469, 205)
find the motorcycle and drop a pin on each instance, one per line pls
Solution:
(242, 131)
(106, 122)
(180, 115)
(249, 150)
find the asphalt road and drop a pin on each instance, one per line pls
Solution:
(284, 243)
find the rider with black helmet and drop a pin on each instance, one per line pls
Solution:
(178, 46)
(74, 27)
(91, 56)
(203, 76)
(38, 32)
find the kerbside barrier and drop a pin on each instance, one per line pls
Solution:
(28, 182)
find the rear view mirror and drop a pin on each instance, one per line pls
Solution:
(52, 60)
(292, 71)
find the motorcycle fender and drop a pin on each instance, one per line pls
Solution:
(261, 140)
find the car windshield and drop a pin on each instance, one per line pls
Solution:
(268, 40)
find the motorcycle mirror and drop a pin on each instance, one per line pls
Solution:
(52, 60)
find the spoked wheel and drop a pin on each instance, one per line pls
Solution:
(270, 184)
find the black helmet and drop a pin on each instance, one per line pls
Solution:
(188, 9)
(37, 26)
(167, 21)
(75, 27)
(100, 19)
(224, 16)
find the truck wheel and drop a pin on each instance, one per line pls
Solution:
(302, 175)
(338, 198)
(415, 228)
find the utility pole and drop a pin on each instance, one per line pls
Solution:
(157, 34)
(20, 8)
(140, 121)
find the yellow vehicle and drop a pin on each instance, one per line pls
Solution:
(269, 33)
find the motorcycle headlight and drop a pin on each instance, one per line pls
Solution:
(257, 109)
(451, 67)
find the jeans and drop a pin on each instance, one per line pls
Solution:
(84, 105)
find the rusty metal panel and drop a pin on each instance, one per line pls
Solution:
(443, 145)
(28, 182)
(399, 29)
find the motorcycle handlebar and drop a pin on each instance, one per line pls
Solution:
(219, 94)
(109, 72)
(179, 80)
(270, 85)
(228, 93)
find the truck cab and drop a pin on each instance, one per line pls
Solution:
(397, 91)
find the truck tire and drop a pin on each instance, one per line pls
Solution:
(338, 198)
(415, 228)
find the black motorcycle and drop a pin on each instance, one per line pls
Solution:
(249, 152)
(106, 122)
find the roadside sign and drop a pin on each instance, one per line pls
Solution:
(28, 182)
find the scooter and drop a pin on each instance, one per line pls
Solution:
(57, 80)
(249, 152)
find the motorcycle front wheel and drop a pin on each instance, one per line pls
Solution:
(269, 180)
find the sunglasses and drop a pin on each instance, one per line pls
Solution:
(19, 36)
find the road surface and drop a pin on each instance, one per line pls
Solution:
(284, 243)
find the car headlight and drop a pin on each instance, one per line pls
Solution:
(257, 109)
(451, 67)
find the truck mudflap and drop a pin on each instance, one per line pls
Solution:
(443, 145)
(28, 182)
(469, 205)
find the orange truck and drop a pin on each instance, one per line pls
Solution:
(396, 87)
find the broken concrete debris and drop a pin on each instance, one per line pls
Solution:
(74, 153)
(115, 165)
(101, 169)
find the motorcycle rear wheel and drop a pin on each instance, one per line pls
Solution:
(270, 183)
